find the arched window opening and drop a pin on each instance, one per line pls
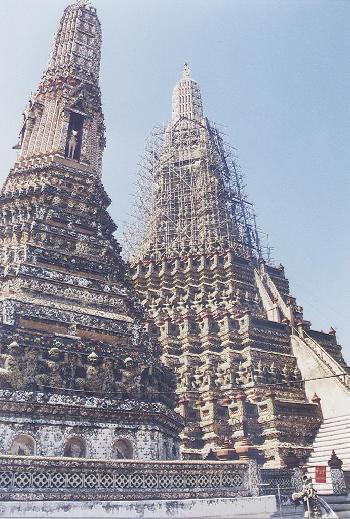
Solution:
(74, 136)
(23, 445)
(75, 448)
(122, 450)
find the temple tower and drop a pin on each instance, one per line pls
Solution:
(78, 376)
(225, 319)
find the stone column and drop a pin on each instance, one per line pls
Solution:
(254, 477)
(227, 451)
(297, 478)
(240, 418)
(292, 463)
(248, 453)
(337, 475)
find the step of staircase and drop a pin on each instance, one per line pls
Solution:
(340, 423)
(335, 419)
(322, 458)
(337, 423)
(325, 434)
(343, 442)
(326, 448)
(340, 505)
(328, 431)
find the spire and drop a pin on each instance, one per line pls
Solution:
(69, 321)
(196, 199)
(186, 71)
(186, 101)
(64, 119)
(76, 48)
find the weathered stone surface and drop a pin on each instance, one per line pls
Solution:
(79, 376)
(35, 478)
(225, 318)
(226, 508)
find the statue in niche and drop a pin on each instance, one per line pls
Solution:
(75, 448)
(23, 445)
(122, 450)
(187, 379)
(209, 377)
(136, 333)
(151, 382)
(228, 379)
(72, 144)
(220, 376)
(11, 374)
(31, 365)
(258, 374)
(240, 380)
(55, 372)
(244, 375)
(108, 382)
(131, 380)
(266, 375)
(94, 375)
(272, 373)
(285, 374)
(296, 373)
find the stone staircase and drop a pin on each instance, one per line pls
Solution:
(340, 505)
(334, 434)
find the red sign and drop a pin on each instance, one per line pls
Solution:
(320, 474)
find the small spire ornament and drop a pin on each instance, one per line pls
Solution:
(186, 71)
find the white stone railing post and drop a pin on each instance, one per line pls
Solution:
(297, 478)
(249, 454)
(254, 477)
(337, 475)
(292, 463)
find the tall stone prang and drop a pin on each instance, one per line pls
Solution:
(224, 316)
(79, 377)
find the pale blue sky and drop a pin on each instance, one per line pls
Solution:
(275, 73)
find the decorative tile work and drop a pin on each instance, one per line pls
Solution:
(44, 479)
(79, 375)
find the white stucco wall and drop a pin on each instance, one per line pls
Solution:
(335, 398)
(148, 443)
(223, 508)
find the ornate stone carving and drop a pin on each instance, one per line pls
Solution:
(224, 316)
(18, 367)
(55, 371)
(65, 296)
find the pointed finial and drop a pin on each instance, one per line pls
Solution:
(186, 71)
(82, 3)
